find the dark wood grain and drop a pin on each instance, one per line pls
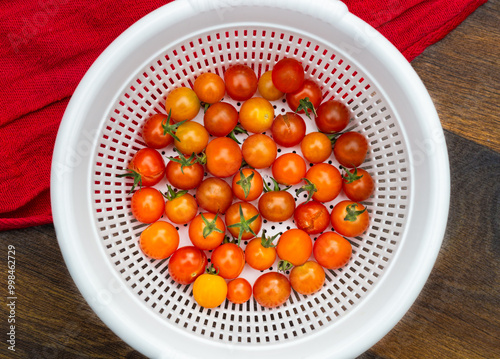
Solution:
(457, 314)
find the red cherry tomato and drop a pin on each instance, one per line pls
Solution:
(184, 173)
(220, 119)
(259, 151)
(147, 205)
(332, 251)
(207, 231)
(350, 149)
(271, 289)
(153, 132)
(332, 116)
(289, 169)
(209, 87)
(159, 240)
(186, 264)
(224, 157)
(214, 195)
(294, 246)
(239, 291)
(288, 129)
(241, 82)
(288, 75)
(228, 259)
(309, 91)
(147, 167)
(357, 184)
(307, 278)
(312, 217)
(350, 218)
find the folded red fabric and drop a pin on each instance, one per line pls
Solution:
(47, 46)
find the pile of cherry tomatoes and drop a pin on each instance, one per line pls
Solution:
(214, 179)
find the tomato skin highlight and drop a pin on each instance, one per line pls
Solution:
(220, 119)
(186, 264)
(271, 289)
(259, 151)
(346, 227)
(209, 290)
(214, 195)
(241, 82)
(332, 116)
(239, 291)
(159, 240)
(229, 260)
(288, 129)
(294, 246)
(312, 217)
(307, 278)
(209, 87)
(224, 157)
(147, 205)
(183, 104)
(287, 75)
(332, 251)
(289, 169)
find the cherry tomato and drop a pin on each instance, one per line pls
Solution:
(324, 182)
(183, 104)
(332, 251)
(357, 184)
(332, 116)
(209, 290)
(220, 119)
(308, 92)
(288, 129)
(312, 217)
(224, 157)
(294, 246)
(243, 220)
(288, 75)
(260, 253)
(256, 115)
(147, 168)
(247, 184)
(241, 82)
(350, 218)
(193, 138)
(153, 132)
(271, 289)
(259, 151)
(186, 264)
(159, 240)
(289, 169)
(229, 260)
(209, 87)
(147, 205)
(307, 278)
(207, 231)
(214, 195)
(267, 88)
(276, 205)
(316, 147)
(350, 149)
(239, 291)
(184, 173)
(181, 209)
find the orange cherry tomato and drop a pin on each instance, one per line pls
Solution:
(259, 151)
(220, 119)
(207, 231)
(209, 87)
(224, 157)
(183, 104)
(288, 129)
(214, 195)
(184, 173)
(260, 253)
(332, 251)
(239, 291)
(316, 147)
(193, 138)
(182, 209)
(267, 89)
(209, 290)
(243, 220)
(256, 115)
(350, 218)
(276, 205)
(159, 240)
(247, 184)
(271, 289)
(312, 217)
(229, 260)
(147, 205)
(307, 278)
(289, 169)
(357, 184)
(294, 246)
(324, 182)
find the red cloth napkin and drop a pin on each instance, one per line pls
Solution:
(47, 46)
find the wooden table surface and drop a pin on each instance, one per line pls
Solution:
(457, 315)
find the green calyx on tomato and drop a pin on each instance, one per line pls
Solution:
(135, 175)
(284, 265)
(276, 187)
(185, 161)
(352, 214)
(171, 127)
(349, 176)
(244, 225)
(237, 130)
(210, 226)
(245, 183)
(306, 105)
(267, 242)
(211, 270)
(172, 194)
(309, 187)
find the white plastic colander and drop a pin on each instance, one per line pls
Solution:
(353, 63)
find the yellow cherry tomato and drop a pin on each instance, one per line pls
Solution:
(256, 115)
(267, 88)
(192, 136)
(209, 290)
(183, 104)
